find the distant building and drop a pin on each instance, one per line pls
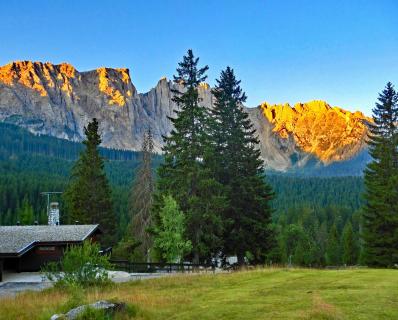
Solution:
(28, 248)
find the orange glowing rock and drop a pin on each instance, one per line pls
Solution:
(38, 76)
(67, 70)
(328, 132)
(23, 72)
(66, 73)
(106, 84)
(125, 74)
(43, 77)
(204, 85)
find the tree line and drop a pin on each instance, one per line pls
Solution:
(23, 176)
(316, 237)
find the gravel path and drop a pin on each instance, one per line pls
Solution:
(12, 288)
(18, 282)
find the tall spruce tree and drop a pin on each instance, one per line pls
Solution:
(238, 167)
(88, 195)
(141, 198)
(380, 215)
(185, 174)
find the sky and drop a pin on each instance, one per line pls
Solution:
(291, 51)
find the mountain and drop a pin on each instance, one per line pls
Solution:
(314, 130)
(58, 100)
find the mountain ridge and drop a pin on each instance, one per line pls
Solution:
(59, 100)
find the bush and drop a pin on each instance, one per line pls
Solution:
(81, 265)
(126, 250)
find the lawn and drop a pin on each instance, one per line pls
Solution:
(259, 294)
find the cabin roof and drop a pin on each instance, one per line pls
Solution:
(16, 240)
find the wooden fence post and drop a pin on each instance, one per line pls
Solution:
(1, 270)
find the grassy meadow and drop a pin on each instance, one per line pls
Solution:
(258, 294)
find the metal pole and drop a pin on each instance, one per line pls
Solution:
(48, 204)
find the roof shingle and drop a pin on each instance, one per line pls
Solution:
(14, 239)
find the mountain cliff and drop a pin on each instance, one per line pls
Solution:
(59, 100)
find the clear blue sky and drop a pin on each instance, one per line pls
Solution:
(284, 51)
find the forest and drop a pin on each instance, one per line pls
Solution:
(307, 211)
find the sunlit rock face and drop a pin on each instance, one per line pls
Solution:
(59, 100)
(329, 133)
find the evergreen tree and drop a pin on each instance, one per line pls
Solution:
(380, 217)
(141, 198)
(88, 195)
(185, 174)
(332, 254)
(238, 167)
(291, 237)
(350, 246)
(25, 213)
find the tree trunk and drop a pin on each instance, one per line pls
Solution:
(196, 258)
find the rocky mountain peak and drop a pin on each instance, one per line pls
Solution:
(45, 78)
(37, 76)
(331, 133)
(114, 84)
(58, 100)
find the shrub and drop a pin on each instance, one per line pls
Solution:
(81, 265)
(126, 250)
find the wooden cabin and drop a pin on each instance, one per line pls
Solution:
(28, 248)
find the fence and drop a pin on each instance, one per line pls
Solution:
(151, 267)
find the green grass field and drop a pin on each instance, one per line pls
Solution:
(259, 294)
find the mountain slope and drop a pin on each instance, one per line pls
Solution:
(59, 100)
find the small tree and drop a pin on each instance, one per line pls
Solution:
(350, 246)
(332, 255)
(25, 213)
(169, 239)
(81, 265)
(126, 249)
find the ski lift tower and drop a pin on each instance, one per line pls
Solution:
(52, 208)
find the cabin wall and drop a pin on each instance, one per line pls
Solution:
(36, 258)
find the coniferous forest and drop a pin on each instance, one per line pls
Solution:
(310, 221)
(32, 164)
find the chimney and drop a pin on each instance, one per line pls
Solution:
(53, 214)
(18, 223)
(36, 223)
